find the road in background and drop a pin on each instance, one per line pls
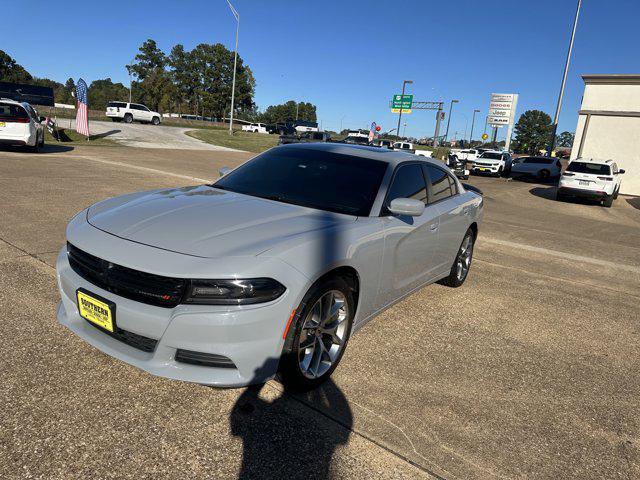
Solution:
(527, 371)
(144, 135)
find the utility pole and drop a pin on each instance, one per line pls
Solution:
(235, 61)
(564, 79)
(437, 132)
(404, 83)
(473, 121)
(446, 134)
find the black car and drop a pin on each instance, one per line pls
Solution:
(281, 128)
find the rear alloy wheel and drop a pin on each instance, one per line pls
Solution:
(128, 118)
(462, 262)
(320, 335)
(155, 121)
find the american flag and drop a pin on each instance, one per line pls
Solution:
(372, 132)
(82, 117)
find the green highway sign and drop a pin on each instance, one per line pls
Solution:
(401, 101)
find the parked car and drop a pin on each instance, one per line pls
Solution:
(130, 112)
(383, 143)
(307, 137)
(541, 168)
(281, 128)
(303, 245)
(410, 148)
(255, 128)
(304, 126)
(492, 162)
(20, 125)
(590, 178)
(356, 140)
(458, 166)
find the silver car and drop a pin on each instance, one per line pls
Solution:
(271, 268)
(541, 168)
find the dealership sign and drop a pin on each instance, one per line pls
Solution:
(502, 108)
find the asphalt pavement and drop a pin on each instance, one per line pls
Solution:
(530, 370)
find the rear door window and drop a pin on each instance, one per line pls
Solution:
(442, 184)
(408, 182)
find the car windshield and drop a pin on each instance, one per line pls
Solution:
(9, 112)
(491, 155)
(312, 178)
(588, 167)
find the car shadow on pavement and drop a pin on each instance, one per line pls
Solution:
(549, 193)
(48, 148)
(288, 438)
(104, 134)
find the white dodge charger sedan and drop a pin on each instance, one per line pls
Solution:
(269, 269)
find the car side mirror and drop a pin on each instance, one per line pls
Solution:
(621, 171)
(406, 206)
(224, 171)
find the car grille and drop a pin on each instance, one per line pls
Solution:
(126, 282)
(479, 164)
(134, 340)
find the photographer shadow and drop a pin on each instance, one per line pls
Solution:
(287, 437)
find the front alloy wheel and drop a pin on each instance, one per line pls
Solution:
(323, 334)
(319, 336)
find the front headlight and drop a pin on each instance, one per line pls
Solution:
(233, 292)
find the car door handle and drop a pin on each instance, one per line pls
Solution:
(433, 227)
(465, 210)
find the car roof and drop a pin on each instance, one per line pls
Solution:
(392, 157)
(591, 160)
(14, 102)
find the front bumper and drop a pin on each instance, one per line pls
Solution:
(250, 336)
(485, 169)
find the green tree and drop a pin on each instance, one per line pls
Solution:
(565, 139)
(103, 91)
(10, 71)
(287, 112)
(532, 132)
(152, 78)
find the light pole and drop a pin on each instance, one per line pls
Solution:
(564, 79)
(404, 83)
(473, 121)
(343, 117)
(235, 60)
(446, 134)
(404, 130)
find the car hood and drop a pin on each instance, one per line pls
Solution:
(207, 222)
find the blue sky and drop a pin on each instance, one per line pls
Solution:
(350, 57)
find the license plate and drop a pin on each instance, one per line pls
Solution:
(96, 310)
(583, 182)
(2, 124)
(483, 169)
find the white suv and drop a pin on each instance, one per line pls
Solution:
(20, 125)
(493, 162)
(590, 178)
(128, 112)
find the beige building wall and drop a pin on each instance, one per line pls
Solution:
(609, 125)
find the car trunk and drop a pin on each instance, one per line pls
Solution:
(14, 120)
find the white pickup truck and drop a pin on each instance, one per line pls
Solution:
(410, 148)
(255, 128)
(467, 154)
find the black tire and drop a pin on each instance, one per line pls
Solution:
(36, 147)
(500, 172)
(155, 121)
(454, 280)
(608, 201)
(544, 174)
(615, 194)
(128, 118)
(291, 370)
